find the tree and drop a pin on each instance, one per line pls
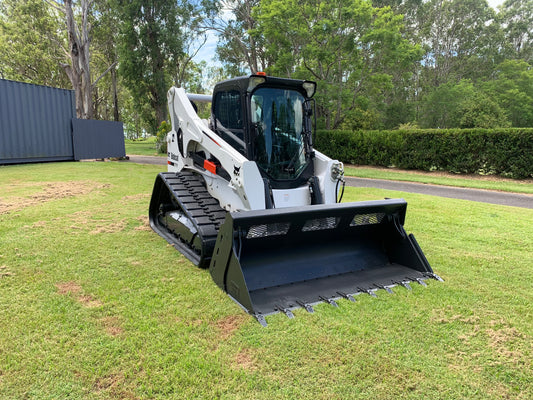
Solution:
(29, 31)
(480, 111)
(440, 107)
(461, 40)
(461, 105)
(104, 61)
(151, 51)
(48, 42)
(517, 18)
(348, 46)
(78, 69)
(240, 45)
(512, 89)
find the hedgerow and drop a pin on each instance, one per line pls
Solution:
(506, 152)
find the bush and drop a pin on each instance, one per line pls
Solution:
(507, 152)
(161, 137)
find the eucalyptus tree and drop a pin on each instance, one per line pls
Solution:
(75, 16)
(108, 95)
(517, 18)
(240, 47)
(29, 38)
(154, 48)
(457, 36)
(349, 47)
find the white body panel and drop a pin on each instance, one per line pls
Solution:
(245, 190)
(291, 197)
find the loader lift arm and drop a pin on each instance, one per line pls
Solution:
(194, 132)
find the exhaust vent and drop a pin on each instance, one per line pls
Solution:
(320, 224)
(265, 230)
(367, 219)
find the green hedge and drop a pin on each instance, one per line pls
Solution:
(506, 152)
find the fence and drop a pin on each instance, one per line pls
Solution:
(38, 124)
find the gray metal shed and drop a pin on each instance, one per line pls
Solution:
(35, 123)
(38, 123)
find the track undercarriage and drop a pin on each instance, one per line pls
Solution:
(183, 212)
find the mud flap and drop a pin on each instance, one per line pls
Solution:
(277, 260)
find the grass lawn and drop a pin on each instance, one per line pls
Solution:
(94, 305)
(142, 147)
(488, 182)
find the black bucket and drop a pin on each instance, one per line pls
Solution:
(276, 260)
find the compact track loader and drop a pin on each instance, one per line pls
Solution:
(247, 196)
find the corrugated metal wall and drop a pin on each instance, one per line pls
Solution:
(35, 123)
(97, 139)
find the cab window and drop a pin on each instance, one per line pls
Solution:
(229, 121)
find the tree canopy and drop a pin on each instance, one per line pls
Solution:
(378, 64)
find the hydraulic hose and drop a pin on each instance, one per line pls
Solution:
(339, 199)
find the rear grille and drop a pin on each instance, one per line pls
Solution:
(265, 230)
(367, 219)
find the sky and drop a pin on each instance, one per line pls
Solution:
(207, 52)
(495, 3)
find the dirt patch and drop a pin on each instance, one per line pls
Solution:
(74, 289)
(89, 301)
(501, 336)
(145, 223)
(230, 324)
(107, 382)
(39, 224)
(68, 288)
(112, 326)
(113, 385)
(440, 316)
(504, 340)
(48, 191)
(109, 227)
(134, 197)
(85, 220)
(245, 360)
(5, 272)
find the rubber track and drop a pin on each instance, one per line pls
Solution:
(190, 194)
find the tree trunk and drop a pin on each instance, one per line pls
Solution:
(115, 95)
(79, 72)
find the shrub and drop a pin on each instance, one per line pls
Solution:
(507, 152)
(161, 135)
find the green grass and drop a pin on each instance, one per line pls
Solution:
(94, 305)
(142, 147)
(475, 182)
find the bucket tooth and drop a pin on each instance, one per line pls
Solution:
(405, 284)
(286, 311)
(347, 296)
(368, 291)
(388, 289)
(306, 307)
(420, 282)
(261, 319)
(329, 301)
(434, 276)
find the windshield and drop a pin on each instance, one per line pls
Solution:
(278, 118)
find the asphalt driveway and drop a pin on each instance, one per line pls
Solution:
(483, 196)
